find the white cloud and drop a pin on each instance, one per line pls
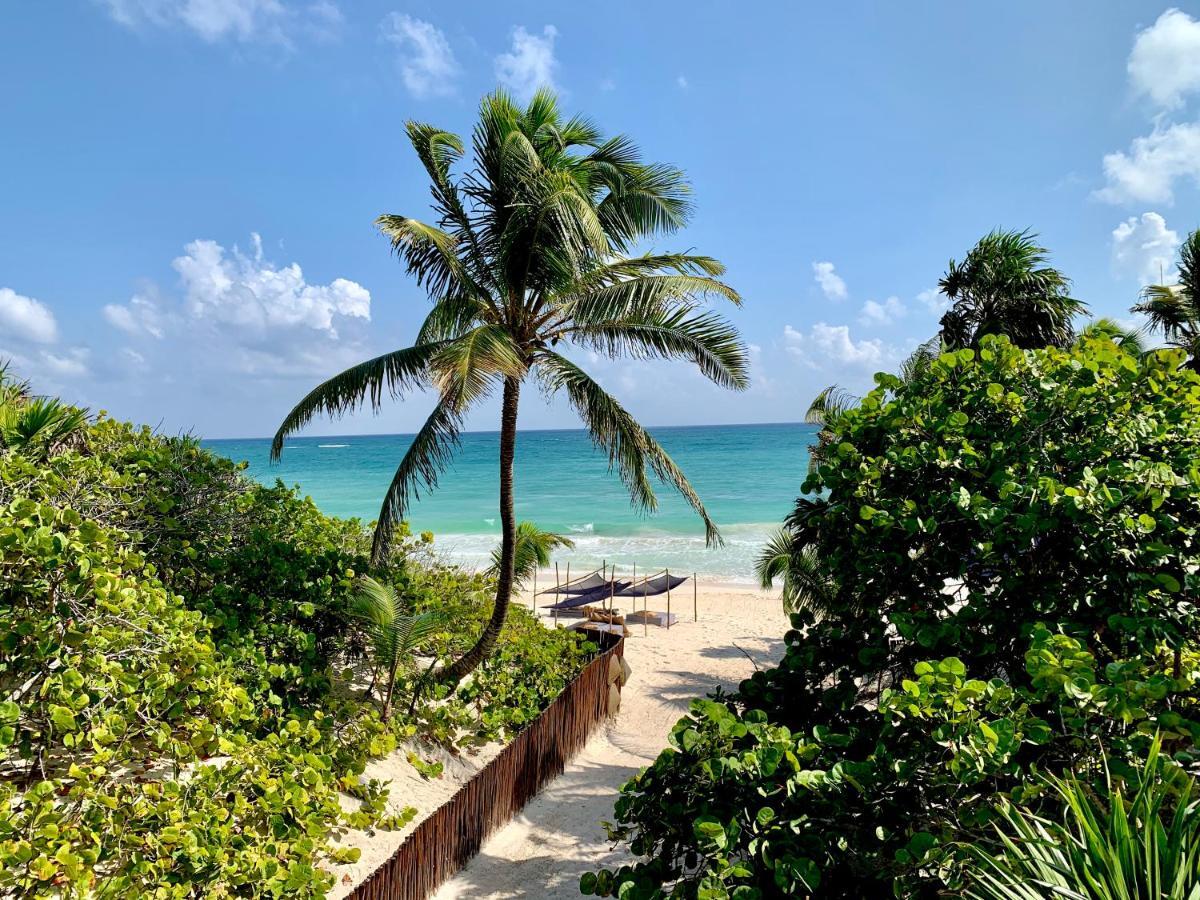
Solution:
(682, 82)
(933, 300)
(72, 363)
(427, 63)
(26, 319)
(256, 317)
(1165, 62)
(141, 316)
(832, 343)
(1145, 246)
(883, 313)
(1147, 173)
(216, 20)
(530, 64)
(831, 283)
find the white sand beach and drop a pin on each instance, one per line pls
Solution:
(557, 837)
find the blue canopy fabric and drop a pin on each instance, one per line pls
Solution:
(579, 585)
(595, 595)
(652, 587)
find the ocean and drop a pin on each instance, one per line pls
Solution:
(747, 475)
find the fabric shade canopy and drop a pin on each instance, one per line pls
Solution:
(652, 587)
(579, 585)
(595, 595)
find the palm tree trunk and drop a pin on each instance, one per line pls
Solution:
(387, 703)
(508, 539)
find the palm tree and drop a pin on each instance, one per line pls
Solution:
(804, 581)
(1110, 329)
(392, 631)
(1174, 309)
(1004, 286)
(530, 252)
(533, 549)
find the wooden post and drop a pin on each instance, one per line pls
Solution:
(612, 587)
(667, 572)
(695, 601)
(533, 599)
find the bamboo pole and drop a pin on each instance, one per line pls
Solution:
(667, 572)
(695, 600)
(556, 594)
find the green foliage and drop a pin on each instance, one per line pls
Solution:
(176, 658)
(1174, 309)
(1010, 543)
(1004, 285)
(1137, 839)
(531, 550)
(393, 631)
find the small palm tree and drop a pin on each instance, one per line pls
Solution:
(39, 426)
(529, 253)
(804, 580)
(1004, 286)
(533, 550)
(1140, 841)
(393, 633)
(1174, 310)
(1110, 329)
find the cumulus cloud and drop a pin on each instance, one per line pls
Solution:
(427, 64)
(831, 283)
(1148, 172)
(825, 343)
(244, 21)
(142, 315)
(530, 64)
(884, 313)
(1145, 247)
(264, 318)
(1164, 64)
(25, 319)
(934, 301)
(682, 82)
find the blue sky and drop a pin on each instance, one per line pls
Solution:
(189, 185)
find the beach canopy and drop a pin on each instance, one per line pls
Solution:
(653, 586)
(579, 585)
(596, 595)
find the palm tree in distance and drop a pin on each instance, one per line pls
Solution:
(529, 252)
(1174, 309)
(1129, 340)
(533, 549)
(1004, 286)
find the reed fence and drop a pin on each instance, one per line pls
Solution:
(447, 840)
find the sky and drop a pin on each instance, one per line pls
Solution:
(189, 186)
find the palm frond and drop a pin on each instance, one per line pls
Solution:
(399, 371)
(829, 405)
(629, 446)
(426, 458)
(468, 367)
(708, 340)
(804, 580)
(532, 550)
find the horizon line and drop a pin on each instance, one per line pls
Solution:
(497, 431)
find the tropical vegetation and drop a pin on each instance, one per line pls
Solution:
(1007, 550)
(1174, 309)
(185, 658)
(533, 249)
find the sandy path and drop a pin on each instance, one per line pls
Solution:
(558, 836)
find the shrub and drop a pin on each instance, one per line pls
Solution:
(175, 712)
(1010, 540)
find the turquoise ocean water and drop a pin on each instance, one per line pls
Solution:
(747, 475)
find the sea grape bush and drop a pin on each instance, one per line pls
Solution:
(1011, 540)
(179, 699)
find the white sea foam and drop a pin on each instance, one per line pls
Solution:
(588, 528)
(648, 550)
(331, 446)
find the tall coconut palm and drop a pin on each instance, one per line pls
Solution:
(531, 250)
(1174, 309)
(1004, 286)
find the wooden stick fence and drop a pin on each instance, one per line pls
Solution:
(446, 841)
